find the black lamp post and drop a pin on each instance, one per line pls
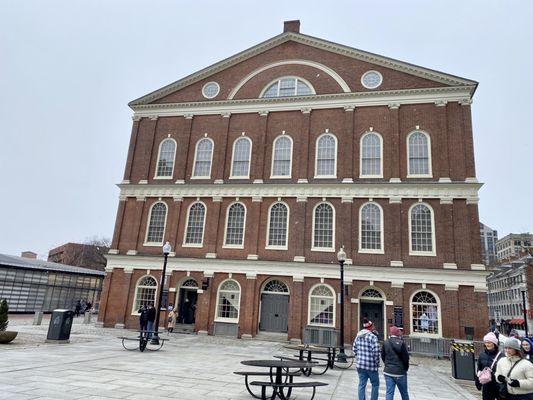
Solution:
(341, 256)
(523, 290)
(166, 250)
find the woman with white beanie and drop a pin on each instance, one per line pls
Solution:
(486, 364)
(515, 373)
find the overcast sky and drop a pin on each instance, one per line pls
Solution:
(69, 68)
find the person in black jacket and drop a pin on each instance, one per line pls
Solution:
(151, 319)
(143, 317)
(489, 391)
(396, 359)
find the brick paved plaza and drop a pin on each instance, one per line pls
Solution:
(95, 366)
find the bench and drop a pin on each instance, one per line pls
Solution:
(246, 374)
(143, 342)
(290, 385)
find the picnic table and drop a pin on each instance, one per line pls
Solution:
(330, 353)
(277, 382)
(142, 341)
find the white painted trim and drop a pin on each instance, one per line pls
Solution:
(231, 320)
(295, 77)
(383, 301)
(193, 176)
(272, 176)
(133, 310)
(344, 86)
(209, 83)
(286, 247)
(382, 236)
(433, 229)
(184, 244)
(373, 71)
(324, 249)
(159, 156)
(361, 155)
(234, 246)
(334, 305)
(233, 158)
(430, 158)
(146, 243)
(439, 315)
(275, 279)
(316, 156)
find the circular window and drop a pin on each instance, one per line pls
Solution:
(371, 79)
(210, 90)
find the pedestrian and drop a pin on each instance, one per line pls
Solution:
(151, 320)
(77, 308)
(486, 365)
(527, 348)
(171, 321)
(396, 360)
(424, 322)
(143, 318)
(514, 373)
(366, 350)
(89, 307)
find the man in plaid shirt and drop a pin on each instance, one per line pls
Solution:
(366, 350)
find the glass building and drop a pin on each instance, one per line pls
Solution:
(31, 285)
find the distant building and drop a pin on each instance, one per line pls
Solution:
(512, 245)
(80, 255)
(488, 244)
(31, 285)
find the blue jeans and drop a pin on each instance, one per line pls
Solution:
(391, 383)
(150, 328)
(364, 376)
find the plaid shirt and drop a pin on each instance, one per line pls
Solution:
(366, 349)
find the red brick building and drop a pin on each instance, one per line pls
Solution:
(260, 167)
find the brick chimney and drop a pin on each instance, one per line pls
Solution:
(28, 254)
(292, 26)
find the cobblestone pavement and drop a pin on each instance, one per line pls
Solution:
(95, 366)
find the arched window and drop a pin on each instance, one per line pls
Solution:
(288, 86)
(276, 286)
(194, 232)
(425, 313)
(371, 294)
(278, 226)
(322, 306)
(419, 155)
(203, 158)
(145, 292)
(235, 225)
(370, 228)
(326, 156)
(282, 157)
(165, 159)
(242, 150)
(156, 225)
(421, 230)
(190, 283)
(228, 301)
(371, 156)
(324, 227)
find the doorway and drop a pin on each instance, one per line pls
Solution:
(274, 315)
(187, 299)
(371, 306)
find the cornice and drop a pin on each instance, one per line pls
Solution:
(385, 190)
(297, 103)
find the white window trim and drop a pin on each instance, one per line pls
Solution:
(324, 249)
(316, 157)
(382, 234)
(361, 156)
(334, 306)
(154, 244)
(375, 87)
(159, 156)
(430, 158)
(133, 310)
(272, 176)
(286, 247)
(247, 176)
(184, 244)
(231, 320)
(235, 246)
(287, 77)
(209, 83)
(439, 315)
(210, 163)
(280, 293)
(433, 229)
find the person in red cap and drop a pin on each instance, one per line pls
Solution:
(396, 359)
(366, 350)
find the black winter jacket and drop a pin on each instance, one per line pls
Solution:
(485, 360)
(151, 314)
(395, 356)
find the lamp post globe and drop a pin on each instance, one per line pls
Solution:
(341, 257)
(167, 248)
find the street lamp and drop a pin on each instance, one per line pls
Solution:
(166, 250)
(341, 256)
(523, 289)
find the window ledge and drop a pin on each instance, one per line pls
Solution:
(192, 245)
(239, 177)
(325, 176)
(152, 244)
(280, 177)
(422, 254)
(233, 246)
(163, 177)
(367, 251)
(370, 176)
(276, 248)
(227, 320)
(420, 176)
(200, 177)
(322, 325)
(324, 249)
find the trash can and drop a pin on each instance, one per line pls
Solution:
(60, 325)
(463, 360)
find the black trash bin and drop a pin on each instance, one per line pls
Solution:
(463, 360)
(60, 325)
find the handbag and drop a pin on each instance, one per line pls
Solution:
(504, 392)
(485, 376)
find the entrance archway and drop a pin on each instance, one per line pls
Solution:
(274, 307)
(187, 298)
(372, 306)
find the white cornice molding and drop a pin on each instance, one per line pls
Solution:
(429, 276)
(396, 191)
(296, 103)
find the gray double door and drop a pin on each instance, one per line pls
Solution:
(374, 312)
(274, 313)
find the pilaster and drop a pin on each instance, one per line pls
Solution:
(394, 162)
(184, 142)
(119, 221)
(260, 171)
(304, 147)
(224, 150)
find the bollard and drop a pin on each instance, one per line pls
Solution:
(87, 318)
(38, 318)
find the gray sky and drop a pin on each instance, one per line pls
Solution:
(69, 68)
